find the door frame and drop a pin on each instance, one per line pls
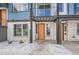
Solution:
(1, 8)
(0, 17)
(38, 30)
(4, 8)
(62, 31)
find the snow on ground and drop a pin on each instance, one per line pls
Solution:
(33, 49)
(16, 49)
(51, 49)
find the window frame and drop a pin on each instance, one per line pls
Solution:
(61, 7)
(44, 6)
(40, 12)
(26, 29)
(76, 7)
(77, 28)
(15, 30)
(48, 30)
(22, 30)
(28, 10)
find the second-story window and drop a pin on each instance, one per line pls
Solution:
(61, 7)
(77, 7)
(17, 7)
(77, 28)
(44, 6)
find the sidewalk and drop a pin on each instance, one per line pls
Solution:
(45, 48)
(51, 49)
(72, 46)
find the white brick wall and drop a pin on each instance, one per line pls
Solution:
(10, 34)
(72, 30)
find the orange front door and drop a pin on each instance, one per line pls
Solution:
(41, 32)
(4, 17)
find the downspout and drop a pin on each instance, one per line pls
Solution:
(58, 27)
(31, 14)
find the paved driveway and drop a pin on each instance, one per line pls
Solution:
(72, 46)
(48, 48)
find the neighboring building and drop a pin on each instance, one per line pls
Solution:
(37, 21)
(3, 21)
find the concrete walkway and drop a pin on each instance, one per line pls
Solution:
(48, 48)
(72, 46)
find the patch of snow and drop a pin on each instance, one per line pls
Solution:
(16, 48)
(59, 50)
(51, 49)
(33, 49)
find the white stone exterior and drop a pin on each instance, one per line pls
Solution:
(10, 32)
(11, 37)
(72, 30)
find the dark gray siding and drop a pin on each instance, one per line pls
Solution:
(3, 33)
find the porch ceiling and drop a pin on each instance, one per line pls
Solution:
(53, 18)
(69, 17)
(44, 18)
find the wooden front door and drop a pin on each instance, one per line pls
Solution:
(4, 17)
(0, 17)
(41, 32)
(62, 31)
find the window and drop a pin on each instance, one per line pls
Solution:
(17, 30)
(44, 6)
(43, 9)
(0, 17)
(77, 7)
(61, 7)
(20, 30)
(47, 6)
(17, 7)
(36, 28)
(65, 27)
(78, 28)
(41, 6)
(25, 29)
(47, 30)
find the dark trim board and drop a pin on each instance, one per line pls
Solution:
(68, 17)
(44, 21)
(44, 18)
(49, 18)
(17, 20)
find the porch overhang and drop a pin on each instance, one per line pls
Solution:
(44, 18)
(54, 18)
(69, 17)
